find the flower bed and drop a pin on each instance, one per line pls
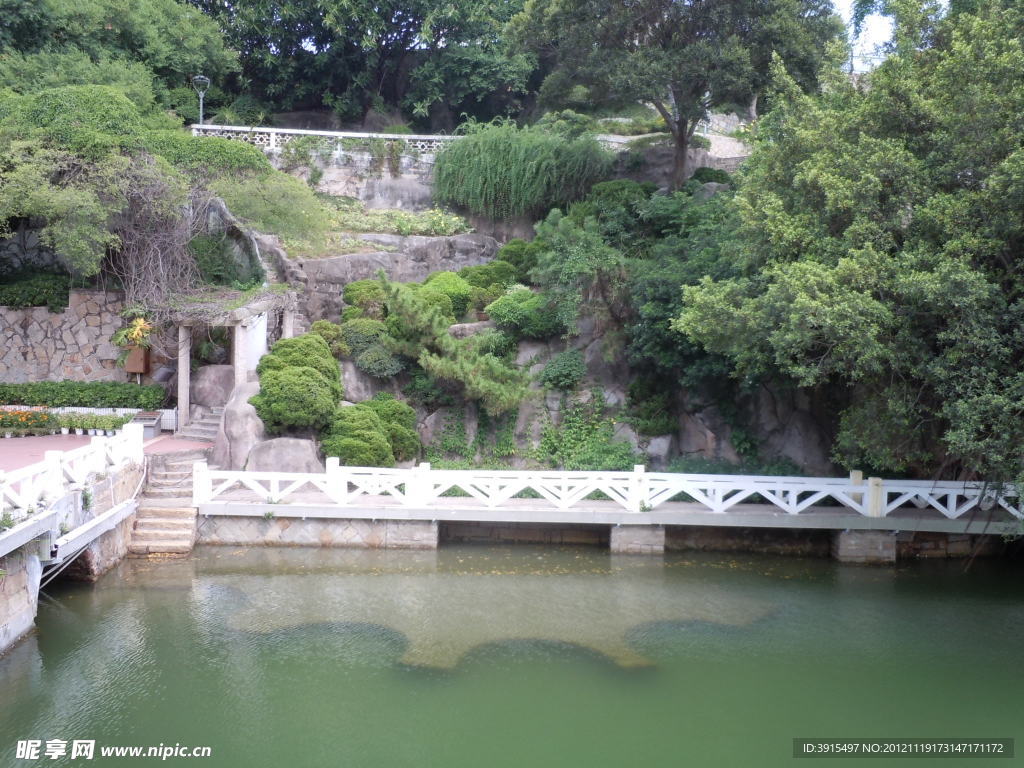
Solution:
(40, 421)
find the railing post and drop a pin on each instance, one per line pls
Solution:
(97, 460)
(3, 492)
(133, 436)
(876, 497)
(273, 140)
(416, 487)
(336, 486)
(856, 478)
(54, 472)
(638, 489)
(202, 483)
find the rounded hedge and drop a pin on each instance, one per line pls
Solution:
(391, 410)
(485, 275)
(379, 362)
(331, 333)
(368, 295)
(308, 350)
(525, 314)
(296, 396)
(452, 286)
(565, 371)
(405, 443)
(361, 449)
(362, 333)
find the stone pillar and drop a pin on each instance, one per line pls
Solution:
(874, 547)
(638, 539)
(287, 323)
(184, 373)
(239, 347)
(410, 534)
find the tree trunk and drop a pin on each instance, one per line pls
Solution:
(681, 160)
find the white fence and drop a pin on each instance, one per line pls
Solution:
(276, 138)
(28, 489)
(636, 491)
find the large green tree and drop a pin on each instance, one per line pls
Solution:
(683, 57)
(881, 248)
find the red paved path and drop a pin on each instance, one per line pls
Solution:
(16, 452)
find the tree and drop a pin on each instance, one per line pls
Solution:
(881, 238)
(684, 57)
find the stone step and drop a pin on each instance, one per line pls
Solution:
(183, 525)
(182, 492)
(199, 429)
(170, 535)
(146, 547)
(166, 513)
(146, 504)
(171, 482)
(168, 475)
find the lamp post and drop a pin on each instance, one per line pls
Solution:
(201, 83)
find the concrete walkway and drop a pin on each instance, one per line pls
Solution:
(17, 452)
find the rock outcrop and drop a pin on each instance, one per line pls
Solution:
(211, 385)
(285, 454)
(240, 429)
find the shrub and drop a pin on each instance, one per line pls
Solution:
(278, 203)
(525, 314)
(522, 256)
(440, 300)
(35, 289)
(295, 396)
(405, 443)
(584, 441)
(491, 342)
(361, 333)
(368, 295)
(392, 411)
(495, 272)
(705, 175)
(379, 362)
(362, 449)
(331, 333)
(502, 170)
(85, 394)
(351, 313)
(207, 155)
(565, 371)
(452, 286)
(217, 263)
(309, 350)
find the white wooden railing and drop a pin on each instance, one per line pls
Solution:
(276, 138)
(28, 489)
(636, 491)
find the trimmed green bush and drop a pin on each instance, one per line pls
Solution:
(405, 443)
(484, 275)
(294, 396)
(362, 449)
(361, 333)
(331, 333)
(368, 295)
(522, 256)
(391, 410)
(85, 394)
(564, 371)
(379, 362)
(208, 155)
(526, 314)
(705, 175)
(308, 350)
(35, 289)
(452, 286)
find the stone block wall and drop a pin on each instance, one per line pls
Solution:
(296, 532)
(38, 345)
(20, 572)
(524, 533)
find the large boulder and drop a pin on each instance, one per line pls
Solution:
(360, 386)
(212, 385)
(240, 429)
(285, 454)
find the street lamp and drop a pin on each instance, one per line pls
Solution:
(200, 83)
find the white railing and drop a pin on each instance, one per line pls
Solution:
(28, 489)
(636, 491)
(275, 138)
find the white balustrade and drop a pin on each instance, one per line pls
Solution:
(636, 491)
(275, 138)
(29, 489)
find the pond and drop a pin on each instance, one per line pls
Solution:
(514, 656)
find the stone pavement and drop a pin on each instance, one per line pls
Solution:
(17, 452)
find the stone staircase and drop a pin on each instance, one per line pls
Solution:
(203, 429)
(166, 520)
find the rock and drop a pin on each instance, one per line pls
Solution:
(465, 330)
(709, 190)
(240, 429)
(660, 450)
(624, 431)
(529, 350)
(284, 454)
(360, 386)
(212, 385)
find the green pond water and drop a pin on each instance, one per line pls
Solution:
(518, 656)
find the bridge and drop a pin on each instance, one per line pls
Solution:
(629, 502)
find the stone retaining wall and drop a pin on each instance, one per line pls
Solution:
(523, 533)
(19, 594)
(38, 345)
(295, 532)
